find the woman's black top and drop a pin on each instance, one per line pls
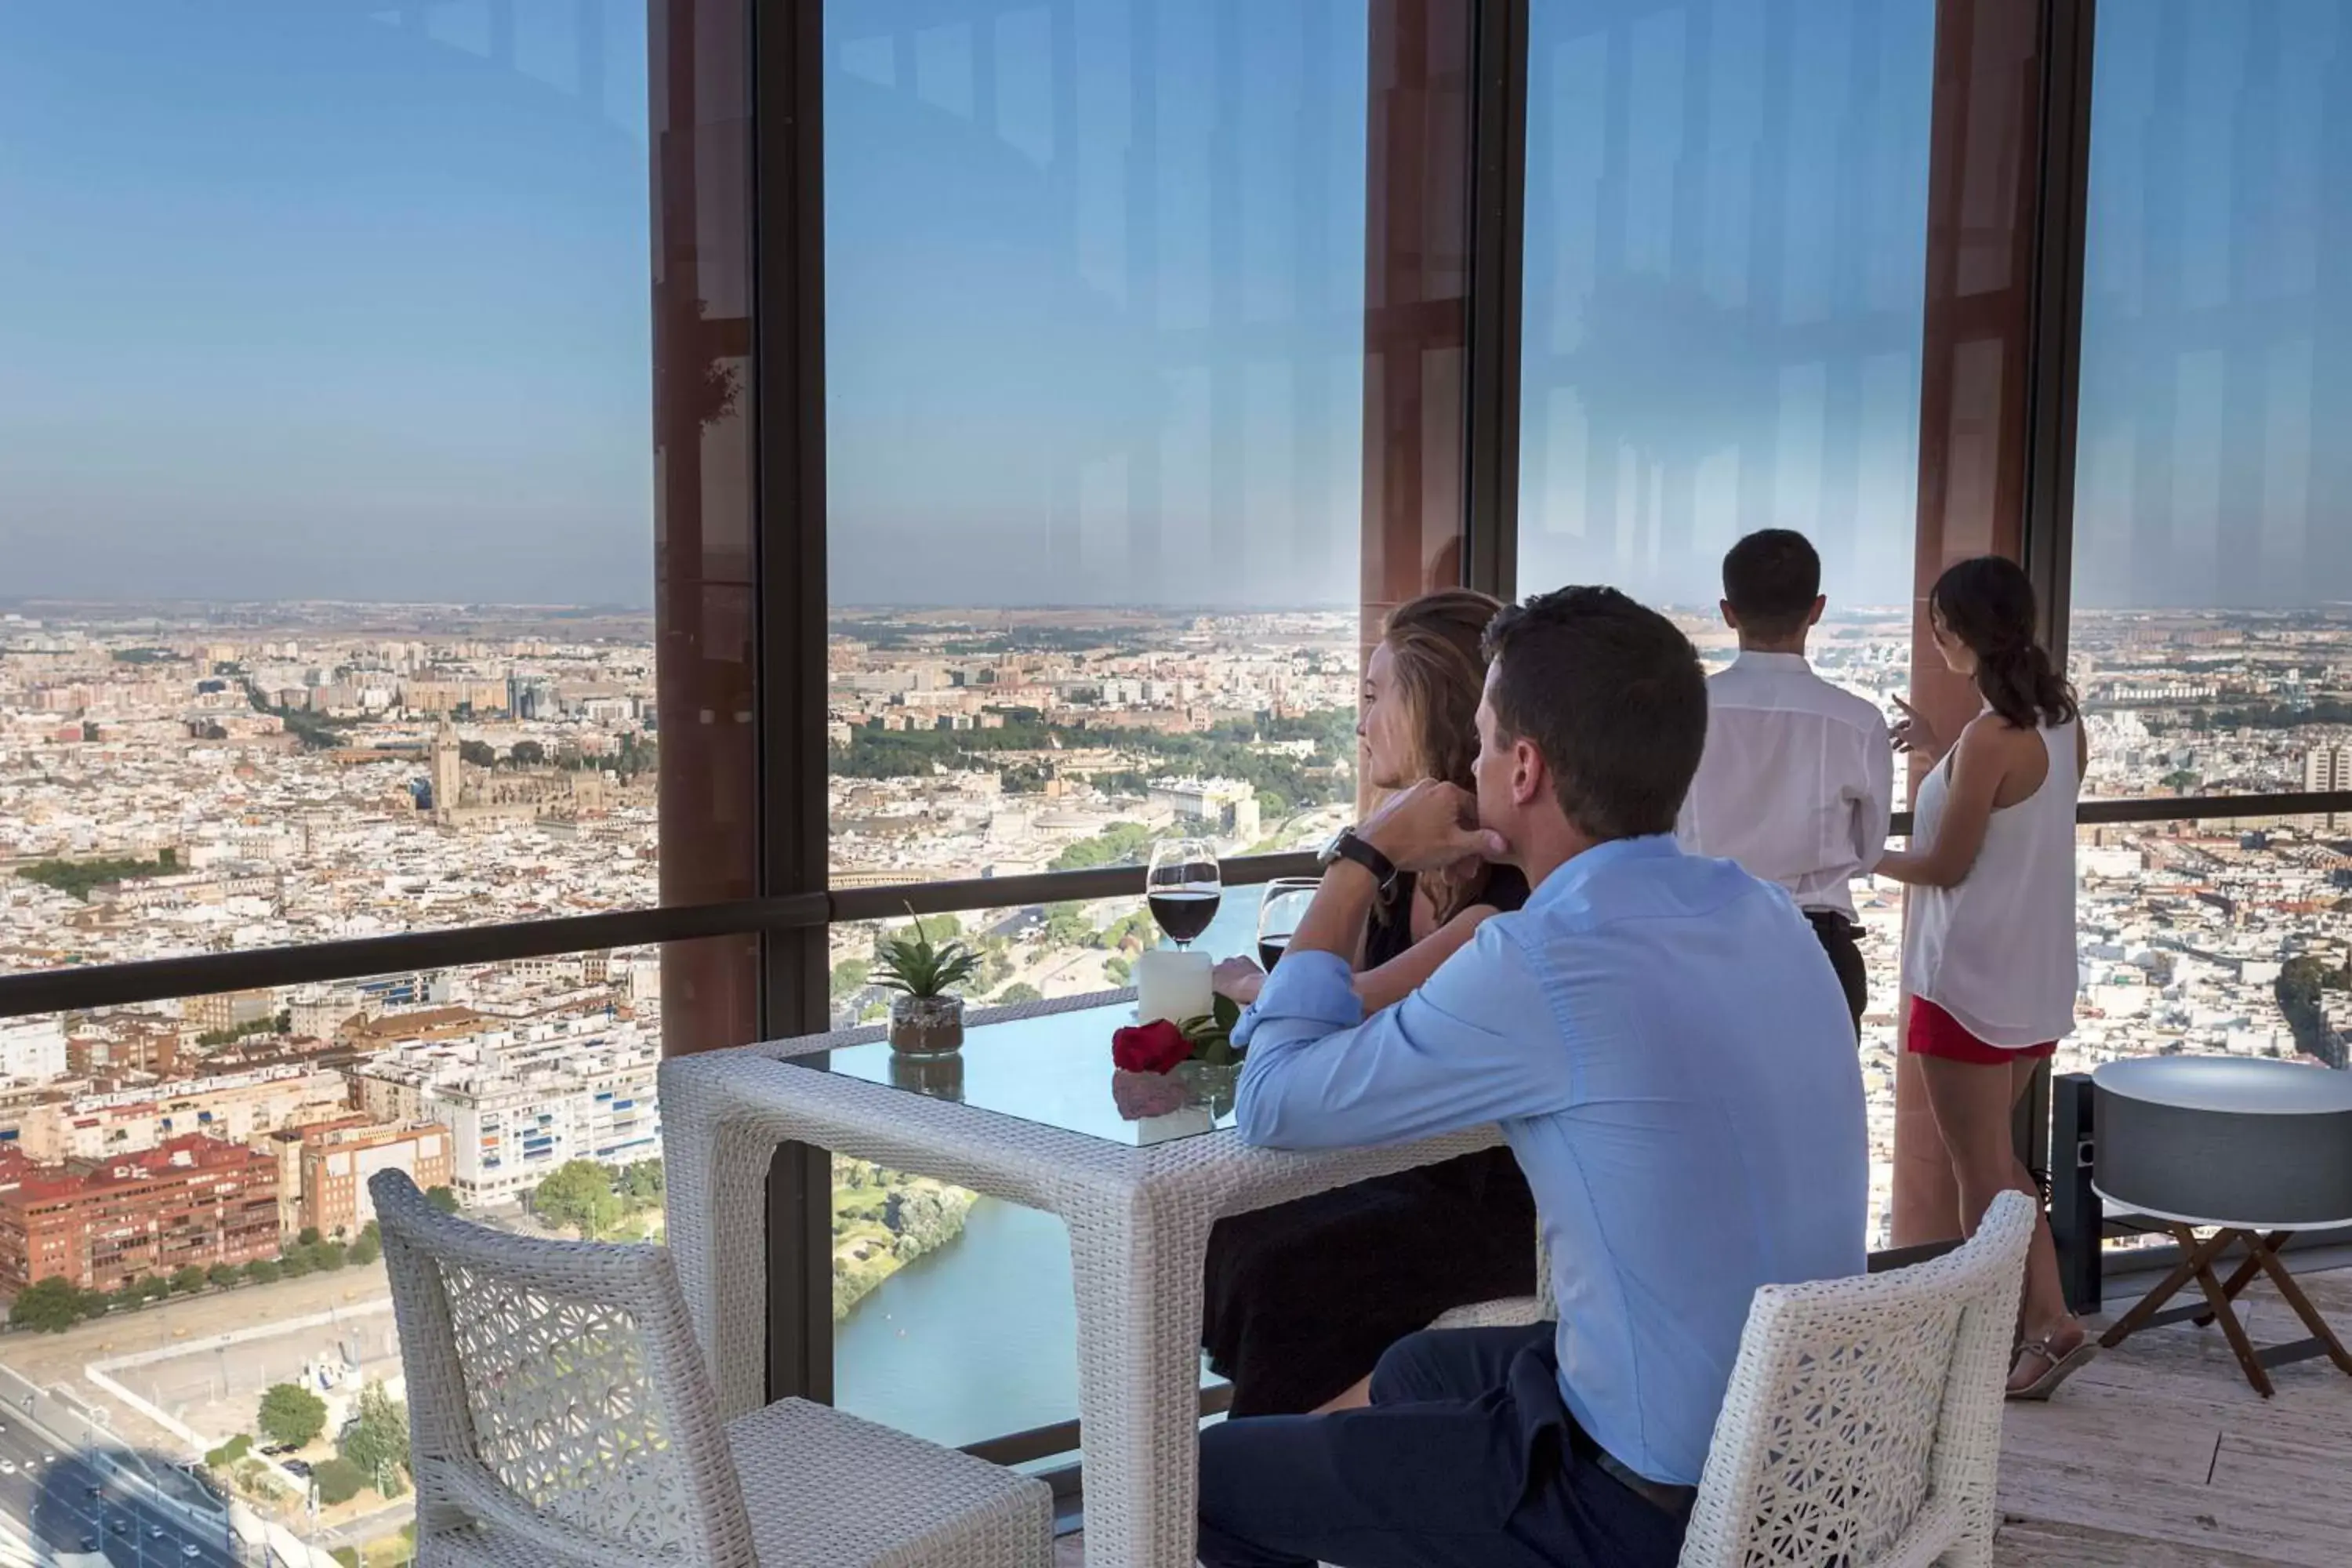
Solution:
(1302, 1297)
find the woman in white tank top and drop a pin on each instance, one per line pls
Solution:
(1989, 947)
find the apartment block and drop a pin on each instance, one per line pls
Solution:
(239, 1107)
(194, 1201)
(336, 1162)
(32, 1051)
(521, 1100)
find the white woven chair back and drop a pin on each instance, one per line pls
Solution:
(1862, 1426)
(556, 1395)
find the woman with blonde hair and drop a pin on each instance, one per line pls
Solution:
(1302, 1297)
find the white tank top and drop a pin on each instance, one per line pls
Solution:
(1997, 951)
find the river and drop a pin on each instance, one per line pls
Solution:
(980, 1338)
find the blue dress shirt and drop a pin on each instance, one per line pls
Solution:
(1661, 1040)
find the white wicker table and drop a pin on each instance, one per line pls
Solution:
(1138, 1219)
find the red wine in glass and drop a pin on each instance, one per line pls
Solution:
(1182, 887)
(1280, 909)
(1184, 914)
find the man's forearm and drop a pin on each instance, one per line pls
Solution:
(1335, 921)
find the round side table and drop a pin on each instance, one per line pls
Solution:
(2253, 1150)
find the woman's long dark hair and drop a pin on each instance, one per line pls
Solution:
(1988, 604)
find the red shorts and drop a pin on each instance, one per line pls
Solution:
(1935, 1033)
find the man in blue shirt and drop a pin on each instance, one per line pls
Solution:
(1668, 1051)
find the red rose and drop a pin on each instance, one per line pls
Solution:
(1148, 1047)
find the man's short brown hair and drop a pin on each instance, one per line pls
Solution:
(1611, 695)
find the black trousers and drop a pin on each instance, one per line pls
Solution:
(1466, 1458)
(1837, 934)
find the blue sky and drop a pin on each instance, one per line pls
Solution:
(300, 303)
(301, 300)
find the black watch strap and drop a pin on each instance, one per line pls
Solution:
(1348, 846)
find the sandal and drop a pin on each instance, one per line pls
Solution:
(2062, 1367)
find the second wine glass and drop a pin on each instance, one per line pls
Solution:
(1183, 887)
(1279, 910)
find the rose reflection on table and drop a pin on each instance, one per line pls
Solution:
(1176, 1078)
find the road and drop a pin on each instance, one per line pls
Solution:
(51, 1503)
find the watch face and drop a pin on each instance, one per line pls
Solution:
(1331, 850)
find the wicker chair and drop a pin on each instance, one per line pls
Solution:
(1862, 1424)
(561, 1417)
(1509, 1311)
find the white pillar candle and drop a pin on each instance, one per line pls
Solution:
(1171, 985)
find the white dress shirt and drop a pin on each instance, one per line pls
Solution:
(1797, 782)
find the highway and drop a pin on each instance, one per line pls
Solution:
(51, 1503)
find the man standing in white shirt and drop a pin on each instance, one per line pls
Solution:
(1798, 780)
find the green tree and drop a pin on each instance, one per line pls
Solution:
(338, 1481)
(641, 1184)
(1068, 926)
(442, 1199)
(49, 1305)
(1020, 991)
(310, 1236)
(579, 1193)
(294, 1263)
(849, 977)
(224, 1275)
(331, 1255)
(479, 753)
(376, 1441)
(188, 1280)
(368, 1247)
(291, 1414)
(1118, 969)
(1116, 845)
(528, 754)
(264, 1272)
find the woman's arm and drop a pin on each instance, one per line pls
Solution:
(1242, 979)
(1400, 976)
(1980, 763)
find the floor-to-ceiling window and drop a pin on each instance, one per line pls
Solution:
(2211, 558)
(1724, 281)
(327, 509)
(1095, 339)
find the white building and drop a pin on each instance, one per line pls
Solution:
(519, 1102)
(32, 1051)
(1226, 805)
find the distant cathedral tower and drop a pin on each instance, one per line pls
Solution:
(448, 781)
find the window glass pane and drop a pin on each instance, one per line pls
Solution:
(2199, 938)
(1095, 340)
(185, 1220)
(2211, 558)
(1724, 288)
(1723, 275)
(324, 383)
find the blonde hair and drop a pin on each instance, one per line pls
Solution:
(1436, 645)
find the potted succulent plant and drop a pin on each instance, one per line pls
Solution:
(926, 1017)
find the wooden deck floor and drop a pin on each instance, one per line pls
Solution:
(2159, 1456)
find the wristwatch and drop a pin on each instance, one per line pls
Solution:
(1346, 846)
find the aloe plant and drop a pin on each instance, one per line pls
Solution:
(920, 967)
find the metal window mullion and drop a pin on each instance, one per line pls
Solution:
(789, 546)
(1498, 249)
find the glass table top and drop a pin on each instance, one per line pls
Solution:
(1054, 1070)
